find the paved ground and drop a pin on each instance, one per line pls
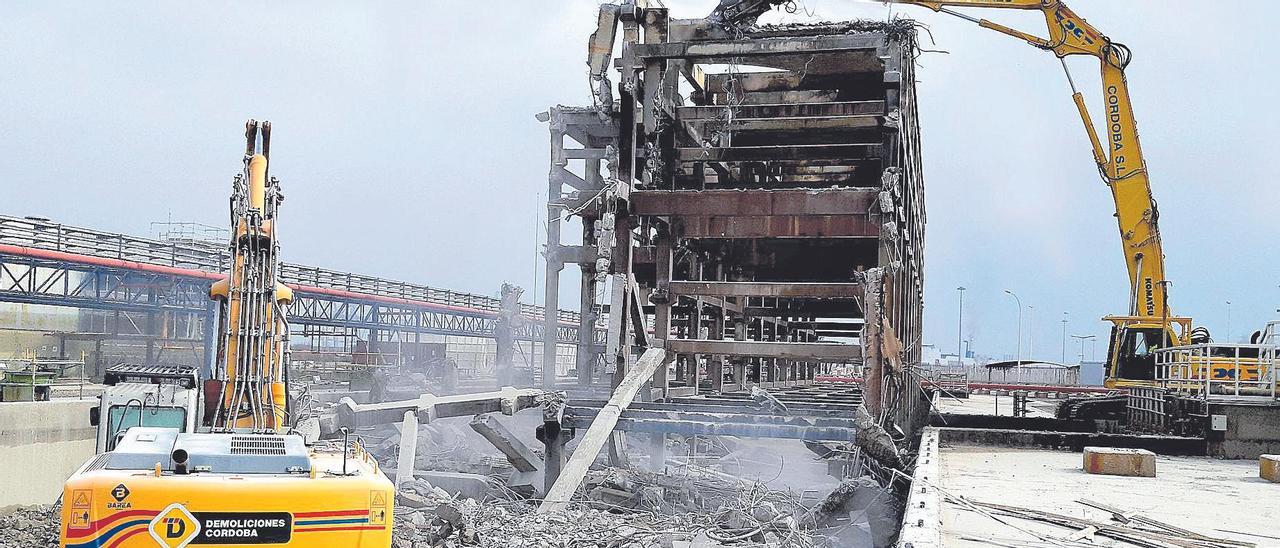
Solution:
(983, 404)
(1197, 493)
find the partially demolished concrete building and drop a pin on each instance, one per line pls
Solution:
(752, 198)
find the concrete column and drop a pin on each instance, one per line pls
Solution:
(585, 361)
(657, 452)
(408, 448)
(715, 364)
(740, 363)
(662, 307)
(551, 309)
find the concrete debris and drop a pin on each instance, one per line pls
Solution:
(1140, 533)
(861, 511)
(875, 441)
(748, 514)
(30, 527)
(768, 401)
(872, 438)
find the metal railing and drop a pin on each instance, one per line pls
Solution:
(1212, 370)
(214, 257)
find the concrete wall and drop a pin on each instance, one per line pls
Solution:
(41, 444)
(1252, 430)
(23, 327)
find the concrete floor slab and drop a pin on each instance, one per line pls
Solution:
(985, 404)
(1202, 494)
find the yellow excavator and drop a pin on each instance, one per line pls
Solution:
(244, 477)
(1148, 325)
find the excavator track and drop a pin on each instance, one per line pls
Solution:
(1085, 409)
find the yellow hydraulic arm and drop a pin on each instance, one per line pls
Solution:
(1119, 157)
(254, 332)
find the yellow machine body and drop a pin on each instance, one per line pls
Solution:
(242, 478)
(140, 508)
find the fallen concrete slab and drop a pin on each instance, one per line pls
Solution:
(473, 486)
(1269, 468)
(1120, 461)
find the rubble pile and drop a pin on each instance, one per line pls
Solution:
(453, 522)
(31, 527)
(441, 446)
(617, 508)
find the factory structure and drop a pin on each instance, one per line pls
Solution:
(730, 350)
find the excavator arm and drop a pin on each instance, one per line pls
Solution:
(1118, 154)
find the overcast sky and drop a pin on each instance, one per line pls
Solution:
(406, 142)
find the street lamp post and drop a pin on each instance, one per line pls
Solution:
(960, 327)
(1064, 338)
(1082, 339)
(1018, 356)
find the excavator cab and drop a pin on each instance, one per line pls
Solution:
(1131, 357)
(1133, 352)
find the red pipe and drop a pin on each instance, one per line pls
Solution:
(1040, 387)
(100, 261)
(192, 273)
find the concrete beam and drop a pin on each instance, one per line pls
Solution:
(600, 430)
(767, 289)
(784, 111)
(757, 47)
(856, 151)
(738, 125)
(768, 349)
(704, 203)
(429, 407)
(520, 456)
(720, 425)
(407, 457)
(778, 226)
(922, 517)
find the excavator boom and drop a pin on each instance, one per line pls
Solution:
(1148, 322)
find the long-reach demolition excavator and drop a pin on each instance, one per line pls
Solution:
(244, 477)
(1149, 324)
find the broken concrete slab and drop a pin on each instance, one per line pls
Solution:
(1269, 468)
(1120, 461)
(408, 448)
(521, 456)
(472, 486)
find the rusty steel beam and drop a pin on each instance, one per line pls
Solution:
(785, 110)
(705, 203)
(764, 46)
(778, 81)
(778, 226)
(857, 151)
(767, 289)
(795, 123)
(766, 349)
(722, 424)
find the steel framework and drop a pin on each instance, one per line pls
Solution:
(53, 264)
(751, 197)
